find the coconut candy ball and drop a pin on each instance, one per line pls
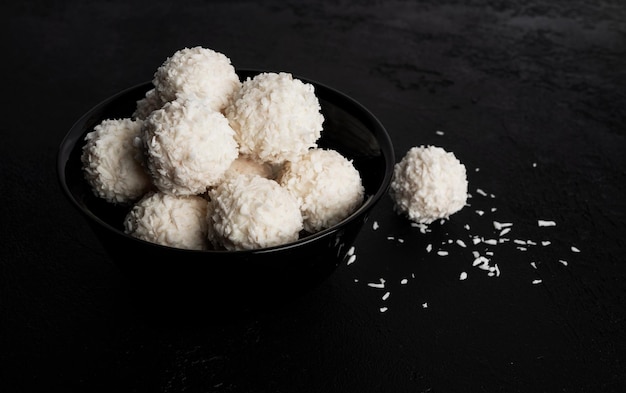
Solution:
(428, 184)
(326, 185)
(275, 116)
(248, 212)
(188, 148)
(111, 162)
(244, 165)
(149, 103)
(169, 220)
(200, 72)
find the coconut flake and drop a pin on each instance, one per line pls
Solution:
(546, 223)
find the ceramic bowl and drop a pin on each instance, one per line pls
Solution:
(255, 274)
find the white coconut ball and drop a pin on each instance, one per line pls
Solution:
(276, 117)
(188, 148)
(249, 212)
(169, 220)
(428, 184)
(200, 72)
(149, 103)
(110, 161)
(327, 186)
(244, 165)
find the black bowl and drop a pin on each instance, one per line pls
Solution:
(288, 269)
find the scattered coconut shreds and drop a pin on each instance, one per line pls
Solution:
(480, 212)
(534, 165)
(461, 243)
(391, 238)
(535, 282)
(404, 281)
(545, 243)
(463, 276)
(490, 253)
(575, 249)
(350, 251)
(476, 254)
(439, 132)
(546, 223)
(480, 261)
(383, 309)
(429, 248)
(400, 240)
(386, 295)
(522, 248)
(379, 285)
(467, 227)
(521, 242)
(481, 192)
(442, 253)
(477, 169)
(497, 270)
(494, 209)
(563, 262)
(505, 231)
(476, 240)
(424, 305)
(501, 225)
(351, 259)
(492, 242)
(533, 264)
(375, 225)
(503, 240)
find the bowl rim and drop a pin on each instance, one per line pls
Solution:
(72, 137)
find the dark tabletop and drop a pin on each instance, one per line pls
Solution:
(529, 95)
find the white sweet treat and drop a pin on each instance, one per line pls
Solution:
(244, 165)
(149, 103)
(169, 220)
(428, 184)
(275, 117)
(110, 164)
(188, 148)
(327, 186)
(200, 72)
(249, 212)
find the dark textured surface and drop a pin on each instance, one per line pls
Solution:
(510, 84)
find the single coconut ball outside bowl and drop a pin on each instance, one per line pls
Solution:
(217, 275)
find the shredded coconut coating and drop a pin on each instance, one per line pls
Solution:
(327, 186)
(149, 103)
(188, 148)
(200, 72)
(169, 220)
(244, 165)
(110, 164)
(428, 184)
(276, 117)
(249, 212)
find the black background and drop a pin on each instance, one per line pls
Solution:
(529, 95)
